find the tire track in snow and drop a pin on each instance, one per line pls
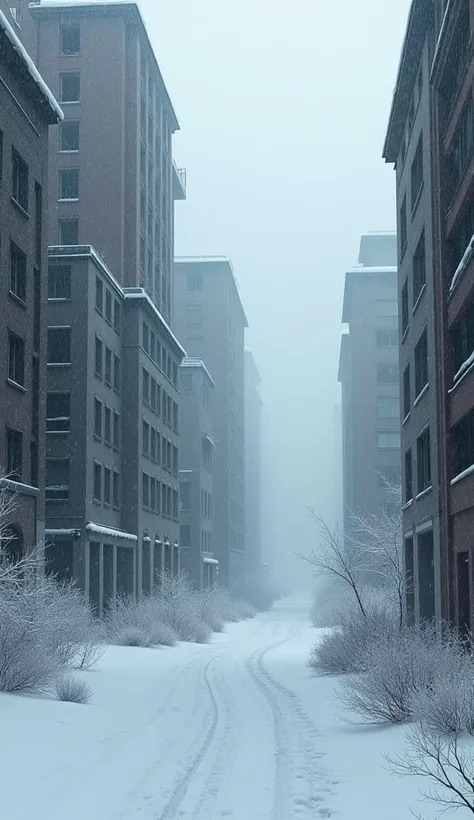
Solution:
(302, 786)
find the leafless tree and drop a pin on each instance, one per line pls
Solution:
(444, 763)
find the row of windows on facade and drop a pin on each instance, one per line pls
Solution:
(416, 183)
(425, 580)
(187, 384)
(159, 354)
(159, 401)
(186, 500)
(185, 540)
(418, 282)
(421, 373)
(158, 448)
(105, 482)
(159, 498)
(423, 465)
(414, 103)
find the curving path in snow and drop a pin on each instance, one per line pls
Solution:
(196, 733)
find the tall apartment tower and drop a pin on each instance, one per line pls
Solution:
(369, 376)
(28, 109)
(408, 146)
(253, 466)
(211, 322)
(113, 180)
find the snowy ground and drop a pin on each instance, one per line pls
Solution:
(238, 729)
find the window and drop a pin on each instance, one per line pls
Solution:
(388, 477)
(116, 430)
(70, 87)
(405, 307)
(388, 441)
(145, 438)
(97, 418)
(403, 225)
(207, 453)
(463, 145)
(145, 490)
(464, 443)
(175, 505)
(387, 373)
(194, 316)
(417, 173)
(186, 382)
(386, 307)
(99, 294)
(38, 223)
(108, 366)
(58, 412)
(116, 316)
(387, 337)
(68, 231)
(19, 180)
(153, 345)
(108, 425)
(69, 136)
(388, 408)
(108, 306)
(185, 535)
(17, 272)
(463, 341)
(419, 268)
(153, 444)
(70, 41)
(185, 491)
(14, 454)
(1, 154)
(175, 374)
(16, 359)
(421, 363)
(406, 391)
(107, 485)
(116, 373)
(408, 476)
(97, 484)
(194, 282)
(409, 576)
(175, 460)
(69, 183)
(59, 282)
(57, 479)
(154, 391)
(423, 458)
(59, 345)
(116, 489)
(99, 357)
(145, 386)
(175, 416)
(153, 493)
(146, 337)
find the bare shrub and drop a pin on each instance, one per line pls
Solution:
(398, 670)
(177, 607)
(447, 707)
(134, 636)
(26, 665)
(445, 762)
(344, 649)
(137, 623)
(73, 690)
(207, 602)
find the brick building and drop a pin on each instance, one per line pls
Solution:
(369, 377)
(408, 146)
(28, 110)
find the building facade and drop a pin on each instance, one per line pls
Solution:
(211, 322)
(113, 179)
(197, 474)
(27, 111)
(452, 76)
(253, 466)
(369, 377)
(112, 422)
(408, 146)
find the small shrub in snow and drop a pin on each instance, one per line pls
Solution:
(137, 623)
(133, 636)
(447, 707)
(73, 690)
(344, 649)
(399, 670)
(177, 606)
(207, 602)
(162, 634)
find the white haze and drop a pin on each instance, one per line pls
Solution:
(283, 108)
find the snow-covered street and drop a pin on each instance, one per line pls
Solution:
(238, 728)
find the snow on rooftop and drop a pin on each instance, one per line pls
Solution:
(19, 47)
(202, 260)
(190, 361)
(140, 293)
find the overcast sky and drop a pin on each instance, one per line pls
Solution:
(283, 107)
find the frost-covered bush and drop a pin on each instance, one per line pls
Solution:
(177, 606)
(233, 609)
(73, 690)
(447, 707)
(137, 623)
(399, 670)
(26, 664)
(344, 648)
(207, 602)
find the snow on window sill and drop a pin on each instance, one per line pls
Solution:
(406, 419)
(408, 504)
(465, 473)
(466, 258)
(424, 492)
(405, 334)
(16, 385)
(421, 394)
(19, 207)
(59, 364)
(465, 368)
(418, 299)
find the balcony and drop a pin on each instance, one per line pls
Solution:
(179, 182)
